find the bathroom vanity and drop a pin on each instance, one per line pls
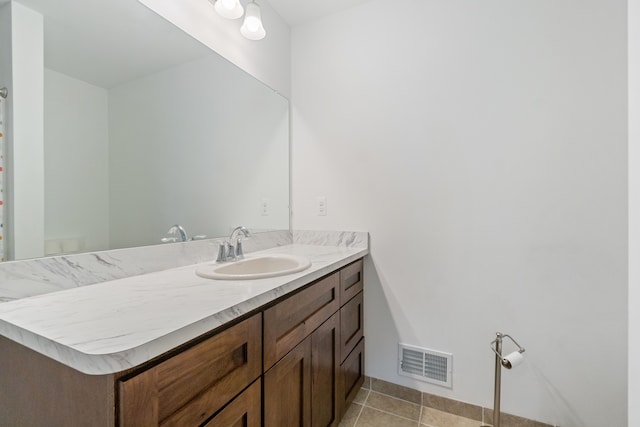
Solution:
(190, 351)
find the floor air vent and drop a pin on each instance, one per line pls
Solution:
(425, 365)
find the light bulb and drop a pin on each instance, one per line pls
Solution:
(230, 9)
(252, 26)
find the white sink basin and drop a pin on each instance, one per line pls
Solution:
(255, 267)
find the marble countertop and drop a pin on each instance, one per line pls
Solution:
(119, 324)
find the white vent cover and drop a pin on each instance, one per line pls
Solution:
(425, 365)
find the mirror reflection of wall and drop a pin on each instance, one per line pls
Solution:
(161, 139)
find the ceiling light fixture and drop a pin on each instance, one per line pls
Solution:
(230, 9)
(252, 27)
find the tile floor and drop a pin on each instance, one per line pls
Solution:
(374, 409)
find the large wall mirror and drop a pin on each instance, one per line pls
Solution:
(144, 128)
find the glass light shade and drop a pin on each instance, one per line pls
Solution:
(230, 9)
(252, 27)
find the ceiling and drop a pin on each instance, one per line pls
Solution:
(296, 12)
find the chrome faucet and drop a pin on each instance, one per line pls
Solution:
(176, 229)
(231, 249)
(182, 235)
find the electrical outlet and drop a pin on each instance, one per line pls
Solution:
(321, 206)
(264, 207)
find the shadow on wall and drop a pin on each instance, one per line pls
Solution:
(387, 325)
(382, 328)
(558, 402)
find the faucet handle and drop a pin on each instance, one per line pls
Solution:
(222, 252)
(239, 252)
(231, 252)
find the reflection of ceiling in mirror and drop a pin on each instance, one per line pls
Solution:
(109, 42)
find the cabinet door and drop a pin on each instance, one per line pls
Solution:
(352, 372)
(243, 411)
(287, 389)
(325, 373)
(351, 325)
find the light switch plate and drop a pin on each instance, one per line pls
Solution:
(321, 206)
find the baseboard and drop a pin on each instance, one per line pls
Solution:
(451, 406)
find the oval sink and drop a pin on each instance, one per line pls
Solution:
(258, 267)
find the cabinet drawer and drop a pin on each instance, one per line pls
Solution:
(352, 370)
(351, 325)
(191, 386)
(351, 281)
(287, 323)
(243, 411)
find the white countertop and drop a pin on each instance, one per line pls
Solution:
(116, 325)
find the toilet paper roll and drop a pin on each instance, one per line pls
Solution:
(513, 359)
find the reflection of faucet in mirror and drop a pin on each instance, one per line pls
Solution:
(182, 235)
(133, 87)
(232, 248)
(176, 229)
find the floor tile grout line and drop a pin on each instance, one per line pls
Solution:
(390, 413)
(358, 417)
(361, 408)
(422, 406)
(397, 398)
(483, 421)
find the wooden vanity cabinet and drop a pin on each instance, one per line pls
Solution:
(351, 281)
(323, 366)
(301, 357)
(243, 411)
(298, 363)
(292, 320)
(287, 389)
(351, 333)
(189, 388)
(351, 325)
(352, 375)
(325, 374)
(302, 388)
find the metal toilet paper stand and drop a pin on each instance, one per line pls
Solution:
(508, 362)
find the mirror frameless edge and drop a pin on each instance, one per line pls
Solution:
(164, 131)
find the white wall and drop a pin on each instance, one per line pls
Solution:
(634, 213)
(76, 147)
(268, 59)
(483, 146)
(231, 154)
(25, 152)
